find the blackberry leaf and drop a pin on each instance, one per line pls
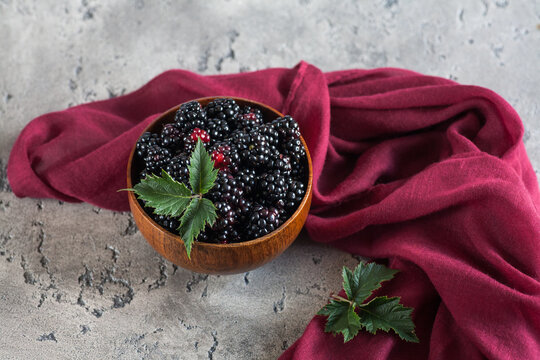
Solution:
(387, 313)
(341, 319)
(348, 315)
(199, 212)
(366, 278)
(164, 194)
(202, 174)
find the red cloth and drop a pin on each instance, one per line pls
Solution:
(426, 173)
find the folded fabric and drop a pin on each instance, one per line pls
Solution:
(420, 172)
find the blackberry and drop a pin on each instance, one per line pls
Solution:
(200, 134)
(171, 135)
(226, 189)
(240, 139)
(271, 134)
(243, 210)
(286, 127)
(295, 193)
(250, 118)
(224, 109)
(246, 179)
(272, 187)
(283, 164)
(156, 159)
(145, 141)
(168, 223)
(190, 116)
(228, 235)
(189, 144)
(226, 216)
(261, 153)
(178, 168)
(190, 140)
(262, 221)
(225, 157)
(218, 129)
(294, 149)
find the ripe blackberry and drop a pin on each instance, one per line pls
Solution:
(260, 152)
(189, 144)
(168, 223)
(228, 235)
(145, 141)
(156, 159)
(226, 189)
(178, 168)
(271, 134)
(250, 118)
(190, 116)
(223, 109)
(246, 180)
(171, 135)
(295, 193)
(226, 216)
(283, 164)
(218, 129)
(286, 127)
(225, 157)
(240, 139)
(294, 149)
(243, 210)
(272, 187)
(262, 221)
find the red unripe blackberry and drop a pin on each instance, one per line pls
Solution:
(225, 157)
(200, 134)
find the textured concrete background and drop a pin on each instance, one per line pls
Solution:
(80, 282)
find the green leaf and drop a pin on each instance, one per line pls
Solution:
(164, 194)
(387, 313)
(366, 278)
(199, 212)
(341, 319)
(202, 174)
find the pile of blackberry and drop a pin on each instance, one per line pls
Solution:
(262, 166)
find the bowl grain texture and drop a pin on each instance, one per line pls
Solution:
(217, 258)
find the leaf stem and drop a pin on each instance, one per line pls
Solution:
(337, 297)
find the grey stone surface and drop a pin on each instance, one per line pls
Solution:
(80, 282)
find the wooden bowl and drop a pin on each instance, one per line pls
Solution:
(217, 258)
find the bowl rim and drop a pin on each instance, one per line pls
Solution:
(248, 243)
